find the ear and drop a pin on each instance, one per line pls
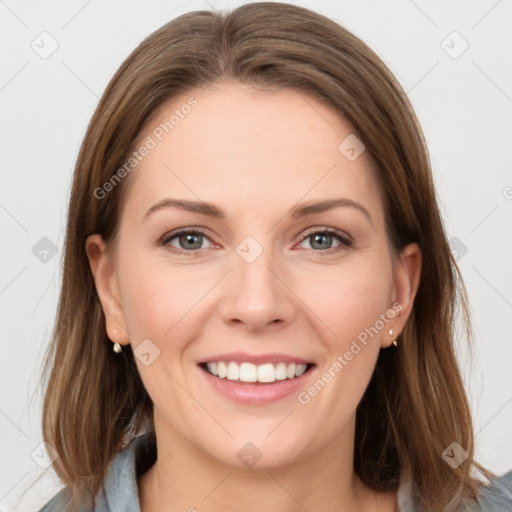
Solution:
(105, 279)
(406, 282)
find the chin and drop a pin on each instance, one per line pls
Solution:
(256, 452)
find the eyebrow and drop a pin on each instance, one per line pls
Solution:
(299, 211)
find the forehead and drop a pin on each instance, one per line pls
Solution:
(244, 148)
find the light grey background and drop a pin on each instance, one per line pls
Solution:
(464, 103)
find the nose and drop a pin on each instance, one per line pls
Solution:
(257, 296)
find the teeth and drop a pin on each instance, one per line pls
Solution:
(233, 371)
(266, 373)
(291, 370)
(223, 371)
(248, 372)
(281, 371)
(301, 368)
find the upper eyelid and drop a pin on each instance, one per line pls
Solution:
(167, 237)
(330, 231)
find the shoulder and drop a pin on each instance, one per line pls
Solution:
(119, 490)
(496, 497)
(59, 503)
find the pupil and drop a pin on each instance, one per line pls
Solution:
(323, 241)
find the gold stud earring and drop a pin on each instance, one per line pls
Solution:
(395, 343)
(117, 348)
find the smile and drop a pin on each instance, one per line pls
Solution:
(256, 379)
(249, 372)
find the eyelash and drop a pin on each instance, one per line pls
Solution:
(343, 238)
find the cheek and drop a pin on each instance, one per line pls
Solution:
(157, 299)
(159, 305)
(349, 301)
(148, 302)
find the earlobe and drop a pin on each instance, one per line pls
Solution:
(407, 280)
(105, 279)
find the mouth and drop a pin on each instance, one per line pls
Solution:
(256, 380)
(249, 373)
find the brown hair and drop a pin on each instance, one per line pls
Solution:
(415, 405)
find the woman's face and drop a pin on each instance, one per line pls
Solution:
(252, 244)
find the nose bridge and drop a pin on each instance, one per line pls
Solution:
(254, 295)
(252, 271)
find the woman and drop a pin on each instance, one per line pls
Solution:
(258, 295)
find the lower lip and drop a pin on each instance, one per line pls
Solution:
(261, 393)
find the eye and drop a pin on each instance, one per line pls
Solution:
(187, 240)
(326, 239)
(192, 240)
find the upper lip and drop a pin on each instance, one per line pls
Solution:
(257, 359)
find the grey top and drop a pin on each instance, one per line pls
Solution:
(119, 492)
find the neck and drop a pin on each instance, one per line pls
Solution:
(185, 478)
